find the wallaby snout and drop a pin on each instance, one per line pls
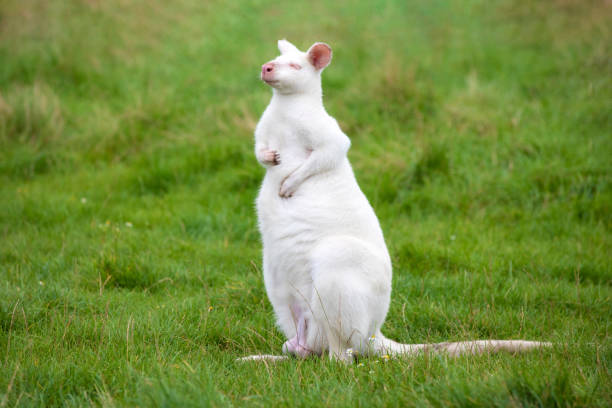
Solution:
(267, 71)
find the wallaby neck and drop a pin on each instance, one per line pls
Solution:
(298, 102)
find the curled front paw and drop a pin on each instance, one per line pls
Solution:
(271, 157)
(288, 187)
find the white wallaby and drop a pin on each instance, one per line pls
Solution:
(326, 267)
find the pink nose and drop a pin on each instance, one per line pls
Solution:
(267, 68)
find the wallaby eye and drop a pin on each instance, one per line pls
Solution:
(295, 66)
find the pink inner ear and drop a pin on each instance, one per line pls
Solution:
(319, 55)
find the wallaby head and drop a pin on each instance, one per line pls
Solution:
(295, 71)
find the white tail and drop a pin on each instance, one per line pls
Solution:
(263, 357)
(382, 345)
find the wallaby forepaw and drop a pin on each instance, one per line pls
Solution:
(271, 157)
(288, 187)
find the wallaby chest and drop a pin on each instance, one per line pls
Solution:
(289, 134)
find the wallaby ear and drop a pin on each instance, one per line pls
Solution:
(319, 55)
(285, 46)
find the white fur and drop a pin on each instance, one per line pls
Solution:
(326, 267)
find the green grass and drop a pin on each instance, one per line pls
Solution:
(130, 264)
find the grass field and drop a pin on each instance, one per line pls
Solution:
(130, 264)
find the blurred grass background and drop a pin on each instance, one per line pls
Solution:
(130, 258)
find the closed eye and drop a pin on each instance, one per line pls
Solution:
(295, 66)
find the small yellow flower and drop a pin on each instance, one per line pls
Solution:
(360, 365)
(386, 357)
(210, 308)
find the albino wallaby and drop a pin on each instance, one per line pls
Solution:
(326, 267)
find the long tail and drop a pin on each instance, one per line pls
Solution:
(383, 345)
(263, 357)
(380, 345)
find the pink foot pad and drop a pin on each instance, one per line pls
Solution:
(294, 347)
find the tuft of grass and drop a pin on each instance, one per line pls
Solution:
(30, 115)
(433, 162)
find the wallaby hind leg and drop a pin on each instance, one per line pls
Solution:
(343, 313)
(350, 296)
(305, 342)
